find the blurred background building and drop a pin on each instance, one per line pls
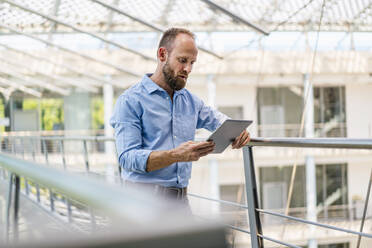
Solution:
(297, 68)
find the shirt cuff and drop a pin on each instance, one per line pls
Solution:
(141, 160)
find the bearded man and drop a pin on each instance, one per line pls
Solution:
(155, 121)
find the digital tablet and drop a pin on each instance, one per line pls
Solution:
(226, 133)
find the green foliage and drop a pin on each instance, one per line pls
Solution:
(51, 113)
(29, 104)
(97, 113)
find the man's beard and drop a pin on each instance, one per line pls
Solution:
(174, 82)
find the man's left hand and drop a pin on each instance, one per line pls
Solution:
(241, 140)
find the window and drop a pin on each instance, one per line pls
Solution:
(338, 245)
(279, 111)
(275, 182)
(331, 190)
(335, 245)
(329, 112)
(234, 112)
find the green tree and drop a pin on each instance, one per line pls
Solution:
(97, 113)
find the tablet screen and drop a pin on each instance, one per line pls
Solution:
(226, 133)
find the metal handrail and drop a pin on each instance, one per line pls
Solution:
(342, 143)
(338, 143)
(66, 138)
(138, 210)
(114, 200)
(313, 142)
(251, 186)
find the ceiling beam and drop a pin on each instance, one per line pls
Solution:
(147, 24)
(6, 91)
(235, 17)
(57, 3)
(55, 78)
(99, 79)
(82, 55)
(33, 81)
(20, 87)
(99, 37)
(364, 10)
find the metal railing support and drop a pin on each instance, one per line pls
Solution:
(62, 146)
(252, 198)
(8, 205)
(13, 179)
(23, 156)
(86, 158)
(17, 184)
(67, 201)
(51, 199)
(365, 209)
(33, 145)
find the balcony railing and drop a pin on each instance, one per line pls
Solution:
(130, 218)
(89, 144)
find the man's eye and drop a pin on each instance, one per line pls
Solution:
(183, 60)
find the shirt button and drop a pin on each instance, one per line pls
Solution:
(175, 136)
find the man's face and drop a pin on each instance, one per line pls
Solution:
(179, 62)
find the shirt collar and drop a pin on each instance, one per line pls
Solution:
(151, 86)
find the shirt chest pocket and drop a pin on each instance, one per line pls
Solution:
(186, 126)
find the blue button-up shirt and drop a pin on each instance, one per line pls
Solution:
(145, 119)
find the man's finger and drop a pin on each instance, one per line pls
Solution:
(237, 140)
(206, 149)
(205, 153)
(204, 144)
(244, 141)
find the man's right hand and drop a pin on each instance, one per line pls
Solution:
(192, 150)
(188, 151)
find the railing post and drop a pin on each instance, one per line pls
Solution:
(62, 146)
(252, 198)
(23, 156)
(365, 209)
(51, 199)
(17, 185)
(67, 201)
(8, 205)
(33, 145)
(86, 158)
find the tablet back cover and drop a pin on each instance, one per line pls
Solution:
(227, 133)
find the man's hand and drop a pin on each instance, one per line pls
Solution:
(241, 140)
(192, 151)
(188, 151)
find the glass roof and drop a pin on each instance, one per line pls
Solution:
(46, 38)
(198, 15)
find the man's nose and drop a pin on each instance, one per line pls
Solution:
(188, 68)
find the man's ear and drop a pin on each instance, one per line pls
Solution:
(162, 54)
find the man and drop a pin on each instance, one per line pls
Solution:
(155, 121)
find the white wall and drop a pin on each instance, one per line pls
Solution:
(358, 110)
(358, 178)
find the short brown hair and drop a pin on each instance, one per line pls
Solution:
(169, 36)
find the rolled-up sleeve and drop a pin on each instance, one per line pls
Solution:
(209, 118)
(126, 120)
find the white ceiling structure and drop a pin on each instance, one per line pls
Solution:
(41, 21)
